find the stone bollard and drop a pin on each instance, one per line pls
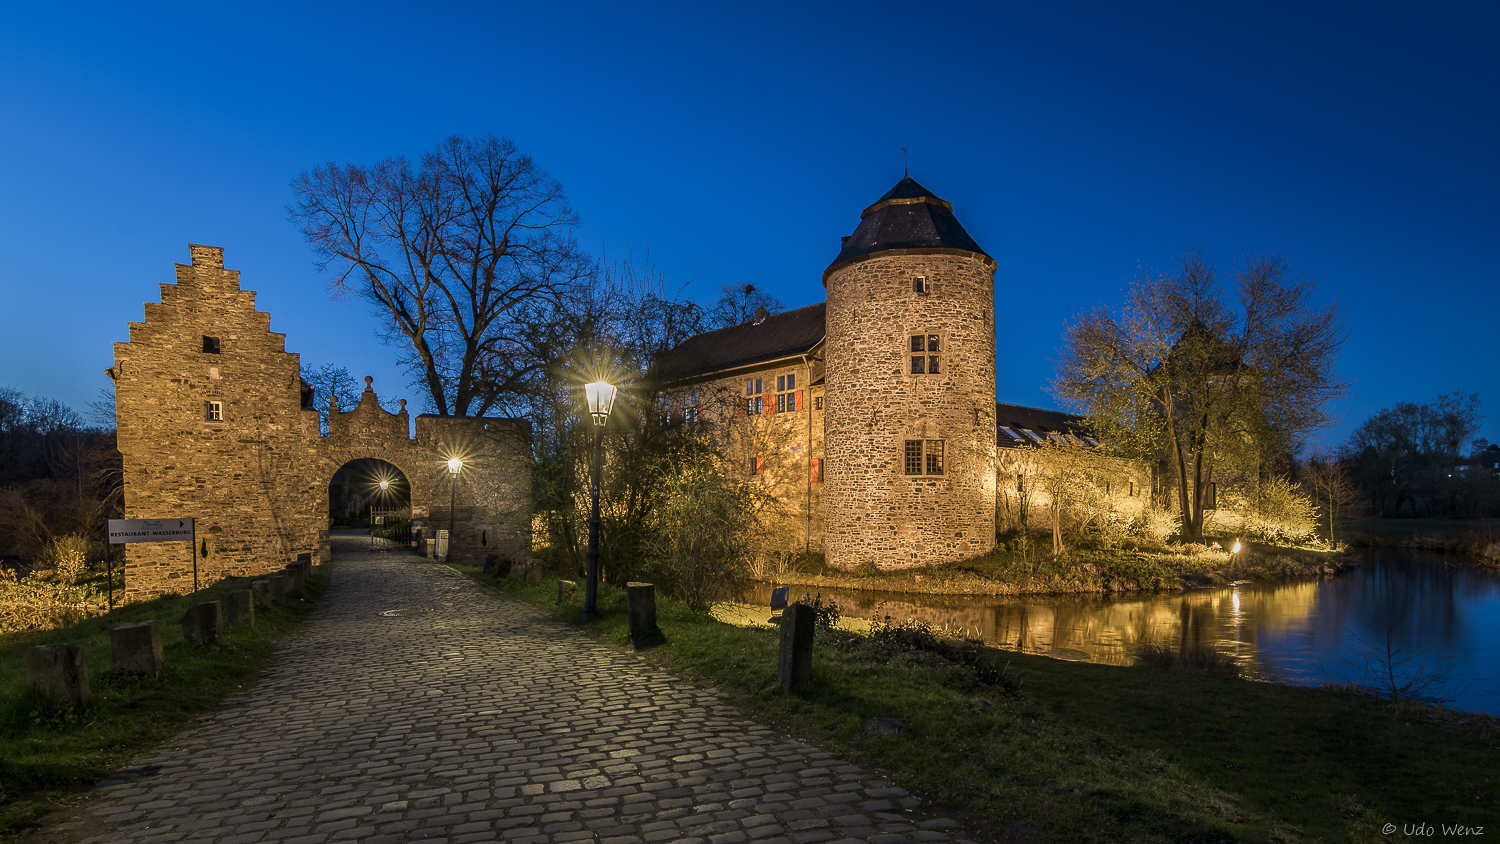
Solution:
(293, 575)
(567, 590)
(641, 598)
(58, 671)
(137, 648)
(261, 589)
(305, 558)
(203, 624)
(242, 608)
(278, 587)
(794, 662)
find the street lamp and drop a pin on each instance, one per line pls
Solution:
(455, 466)
(601, 398)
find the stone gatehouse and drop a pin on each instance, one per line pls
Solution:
(216, 423)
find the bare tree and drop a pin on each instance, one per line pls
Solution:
(1333, 489)
(459, 256)
(1214, 387)
(740, 303)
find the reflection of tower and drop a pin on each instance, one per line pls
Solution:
(910, 427)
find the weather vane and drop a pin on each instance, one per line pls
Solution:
(906, 168)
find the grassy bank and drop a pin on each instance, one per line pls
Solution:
(49, 751)
(1020, 567)
(1090, 753)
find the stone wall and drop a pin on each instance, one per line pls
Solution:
(876, 514)
(256, 477)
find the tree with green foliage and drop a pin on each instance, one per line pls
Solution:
(1219, 384)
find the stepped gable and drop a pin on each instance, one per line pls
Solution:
(778, 336)
(1017, 417)
(911, 220)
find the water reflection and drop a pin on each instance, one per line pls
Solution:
(1418, 607)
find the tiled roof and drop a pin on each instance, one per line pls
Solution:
(909, 217)
(1041, 422)
(779, 336)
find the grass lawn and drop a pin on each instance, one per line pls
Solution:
(1092, 753)
(49, 752)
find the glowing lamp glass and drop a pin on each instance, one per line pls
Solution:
(385, 485)
(454, 465)
(601, 399)
(1236, 546)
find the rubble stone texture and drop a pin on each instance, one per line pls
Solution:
(215, 424)
(874, 512)
(415, 704)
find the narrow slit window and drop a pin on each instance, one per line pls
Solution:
(210, 345)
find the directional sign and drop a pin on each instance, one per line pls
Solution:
(122, 531)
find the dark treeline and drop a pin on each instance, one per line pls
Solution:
(59, 475)
(1423, 460)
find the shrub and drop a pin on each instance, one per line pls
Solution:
(825, 615)
(1282, 515)
(915, 642)
(53, 595)
(709, 528)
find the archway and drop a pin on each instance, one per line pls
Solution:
(371, 496)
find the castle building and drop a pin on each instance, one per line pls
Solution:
(872, 415)
(216, 424)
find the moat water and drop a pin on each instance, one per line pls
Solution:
(1436, 615)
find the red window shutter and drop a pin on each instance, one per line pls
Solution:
(760, 465)
(801, 400)
(770, 404)
(815, 470)
(742, 407)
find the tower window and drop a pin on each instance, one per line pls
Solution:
(210, 345)
(924, 457)
(818, 405)
(926, 354)
(213, 411)
(919, 284)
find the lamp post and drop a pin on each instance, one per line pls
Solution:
(601, 398)
(455, 466)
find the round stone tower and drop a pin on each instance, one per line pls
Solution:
(910, 416)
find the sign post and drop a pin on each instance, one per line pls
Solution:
(123, 531)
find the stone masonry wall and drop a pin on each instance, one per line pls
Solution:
(876, 514)
(256, 480)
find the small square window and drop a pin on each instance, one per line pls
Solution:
(918, 343)
(932, 364)
(918, 364)
(923, 457)
(924, 354)
(919, 284)
(214, 411)
(210, 345)
(818, 405)
(932, 342)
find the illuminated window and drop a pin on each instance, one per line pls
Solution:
(210, 345)
(1009, 433)
(786, 393)
(1030, 433)
(754, 401)
(926, 357)
(214, 411)
(690, 407)
(924, 457)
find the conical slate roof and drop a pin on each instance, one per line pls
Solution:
(910, 219)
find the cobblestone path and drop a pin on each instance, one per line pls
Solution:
(415, 705)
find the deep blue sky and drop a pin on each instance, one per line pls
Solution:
(1077, 142)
